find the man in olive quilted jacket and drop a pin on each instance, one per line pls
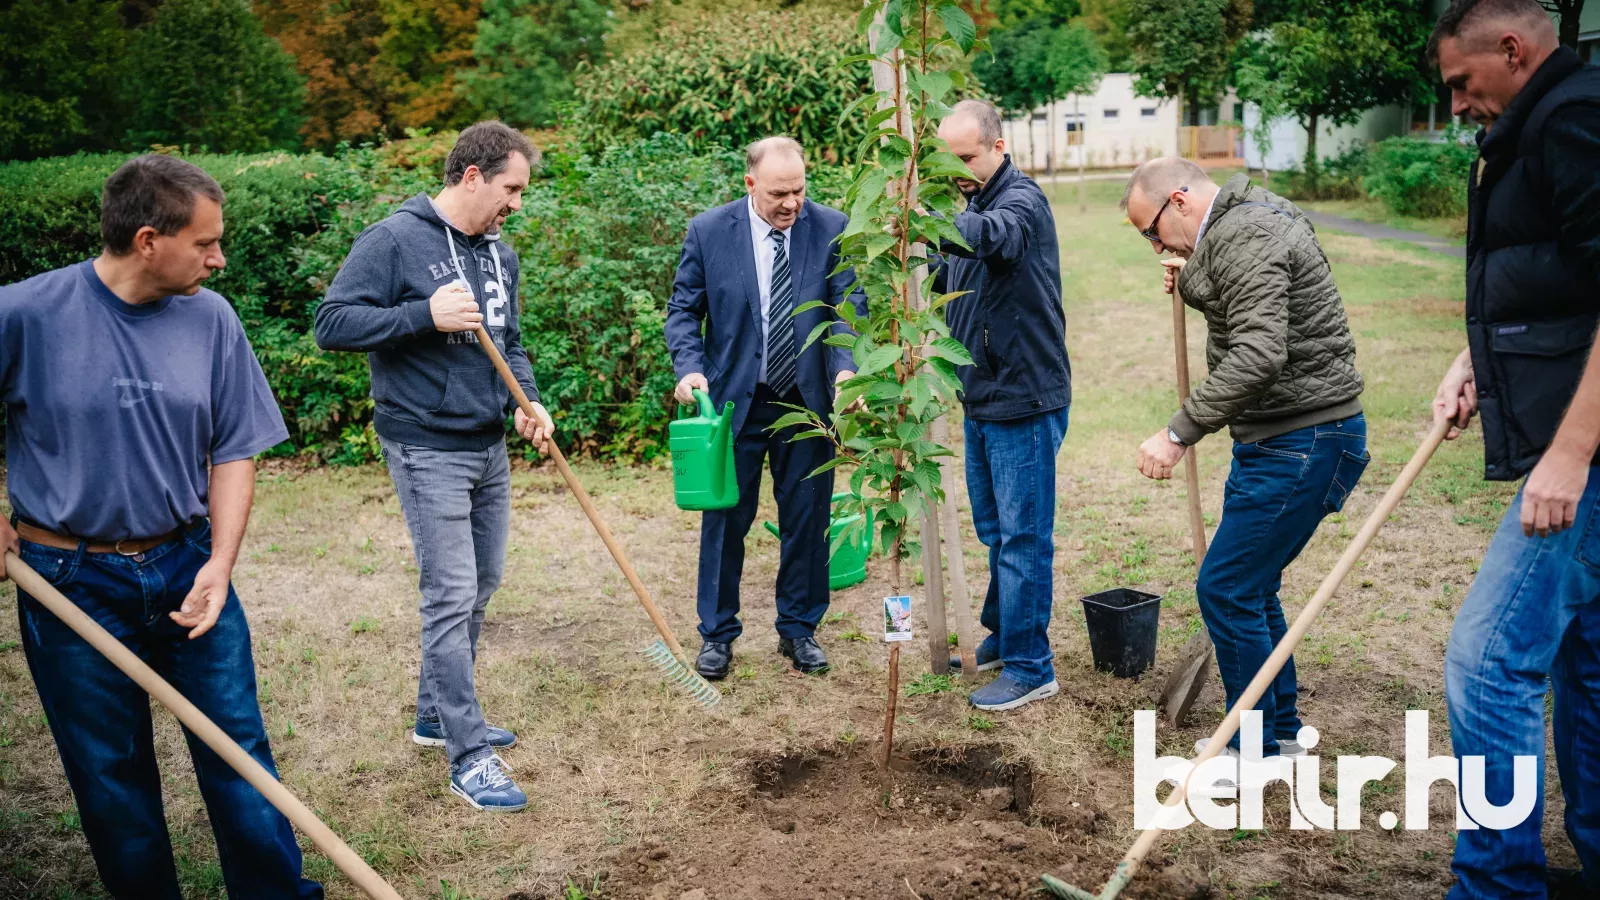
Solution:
(1282, 379)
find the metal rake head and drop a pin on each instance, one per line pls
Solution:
(698, 689)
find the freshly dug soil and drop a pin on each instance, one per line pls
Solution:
(945, 824)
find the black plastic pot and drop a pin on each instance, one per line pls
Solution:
(1122, 630)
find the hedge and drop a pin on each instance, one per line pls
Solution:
(598, 238)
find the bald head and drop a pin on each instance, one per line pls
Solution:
(1166, 200)
(972, 132)
(775, 177)
(1487, 50)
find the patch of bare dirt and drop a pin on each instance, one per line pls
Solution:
(941, 824)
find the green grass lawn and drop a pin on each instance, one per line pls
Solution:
(638, 794)
(1369, 210)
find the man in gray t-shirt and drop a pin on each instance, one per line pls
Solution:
(134, 410)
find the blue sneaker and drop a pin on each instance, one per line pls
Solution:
(988, 658)
(485, 785)
(1003, 693)
(431, 734)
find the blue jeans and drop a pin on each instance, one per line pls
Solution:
(101, 722)
(1011, 482)
(457, 505)
(1530, 619)
(1277, 493)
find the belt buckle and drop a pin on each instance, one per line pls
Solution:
(121, 552)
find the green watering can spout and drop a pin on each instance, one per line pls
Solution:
(702, 457)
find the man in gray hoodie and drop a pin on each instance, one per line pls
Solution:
(410, 295)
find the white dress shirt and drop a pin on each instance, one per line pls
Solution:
(766, 249)
(1205, 219)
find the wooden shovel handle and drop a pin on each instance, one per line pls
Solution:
(201, 726)
(583, 498)
(1191, 463)
(1302, 623)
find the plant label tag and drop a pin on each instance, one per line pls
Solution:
(897, 618)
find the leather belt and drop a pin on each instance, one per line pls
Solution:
(128, 547)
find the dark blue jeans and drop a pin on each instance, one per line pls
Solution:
(1531, 622)
(101, 722)
(1011, 483)
(1277, 492)
(803, 507)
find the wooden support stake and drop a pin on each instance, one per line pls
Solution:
(894, 695)
(950, 516)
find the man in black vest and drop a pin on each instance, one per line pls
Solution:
(1533, 301)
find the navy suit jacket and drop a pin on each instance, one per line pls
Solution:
(716, 288)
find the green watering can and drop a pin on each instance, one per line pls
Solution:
(702, 457)
(849, 565)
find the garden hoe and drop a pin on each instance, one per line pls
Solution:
(666, 653)
(1269, 669)
(1194, 662)
(352, 865)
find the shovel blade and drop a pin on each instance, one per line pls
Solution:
(1188, 677)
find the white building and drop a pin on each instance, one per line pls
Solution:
(1115, 129)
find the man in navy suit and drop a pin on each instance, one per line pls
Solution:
(746, 267)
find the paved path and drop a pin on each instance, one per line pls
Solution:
(1384, 233)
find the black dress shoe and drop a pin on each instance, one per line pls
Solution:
(807, 655)
(713, 661)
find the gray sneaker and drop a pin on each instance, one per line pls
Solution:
(430, 733)
(486, 786)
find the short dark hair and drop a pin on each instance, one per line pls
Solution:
(987, 117)
(155, 190)
(1464, 14)
(487, 145)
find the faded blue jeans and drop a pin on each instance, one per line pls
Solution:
(1530, 623)
(100, 718)
(1277, 493)
(457, 505)
(1011, 483)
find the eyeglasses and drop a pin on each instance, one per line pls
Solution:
(1149, 234)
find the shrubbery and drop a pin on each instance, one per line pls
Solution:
(1338, 178)
(598, 238)
(1416, 177)
(727, 82)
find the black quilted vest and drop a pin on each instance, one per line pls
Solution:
(1532, 304)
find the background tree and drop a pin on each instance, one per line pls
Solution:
(727, 82)
(424, 45)
(527, 51)
(1570, 15)
(60, 76)
(335, 47)
(1329, 63)
(206, 74)
(1014, 71)
(1075, 63)
(1184, 48)
(1108, 21)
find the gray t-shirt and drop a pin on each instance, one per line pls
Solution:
(113, 410)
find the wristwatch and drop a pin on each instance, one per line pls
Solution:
(1173, 437)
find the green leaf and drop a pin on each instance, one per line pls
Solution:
(788, 419)
(951, 349)
(810, 305)
(878, 360)
(822, 328)
(959, 24)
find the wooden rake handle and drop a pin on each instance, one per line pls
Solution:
(198, 723)
(1302, 623)
(583, 498)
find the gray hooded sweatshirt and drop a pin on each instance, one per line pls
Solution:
(430, 389)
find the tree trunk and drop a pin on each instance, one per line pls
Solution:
(1033, 155)
(1050, 160)
(1083, 147)
(1571, 12)
(1311, 163)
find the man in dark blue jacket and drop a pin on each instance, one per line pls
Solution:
(1531, 621)
(411, 294)
(746, 267)
(1016, 395)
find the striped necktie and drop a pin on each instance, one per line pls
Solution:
(780, 321)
